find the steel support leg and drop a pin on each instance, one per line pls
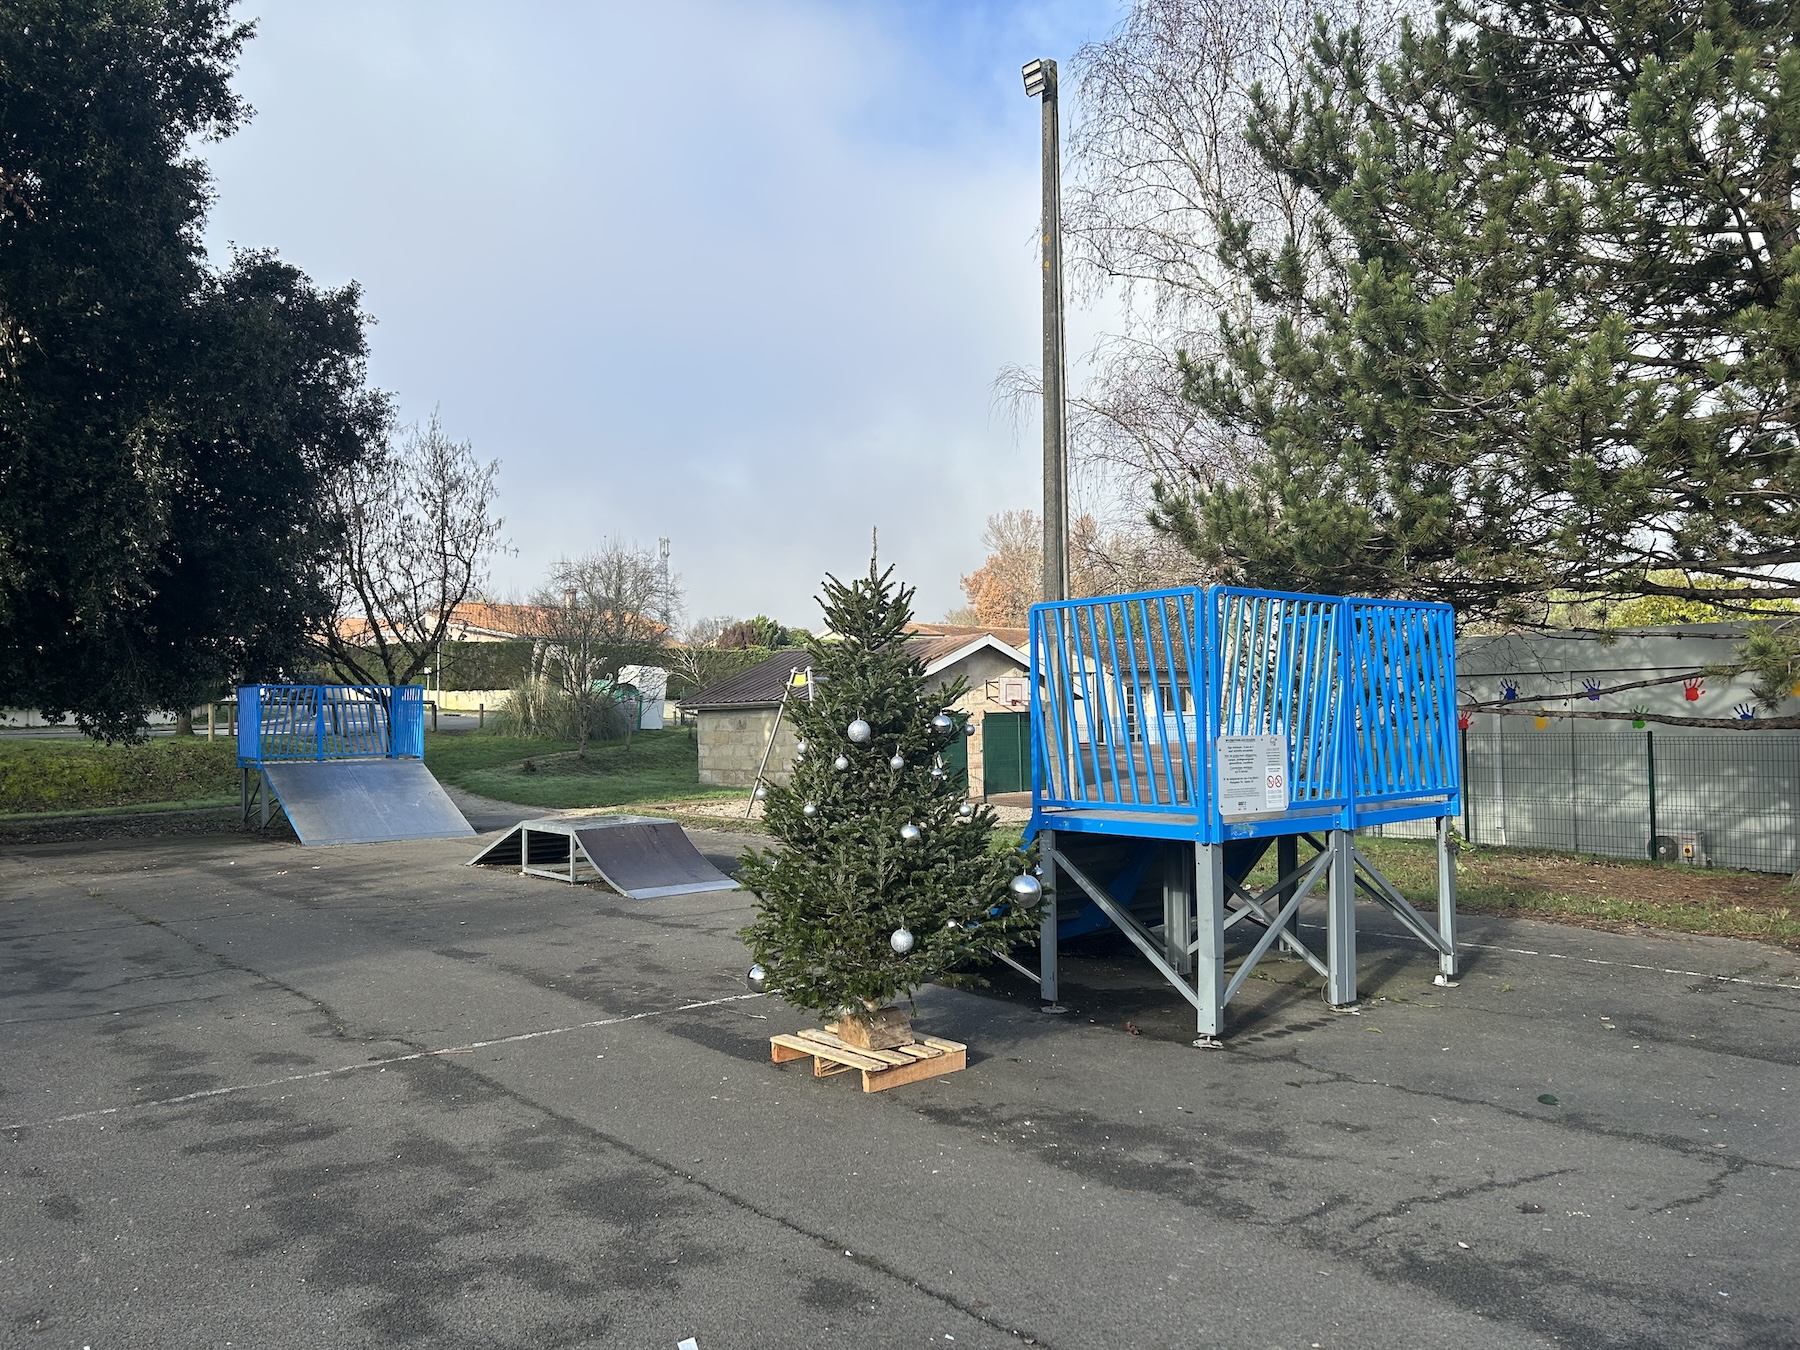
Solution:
(1287, 861)
(1178, 905)
(1047, 920)
(1340, 921)
(1209, 950)
(262, 794)
(1446, 860)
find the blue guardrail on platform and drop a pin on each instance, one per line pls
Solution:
(330, 721)
(1146, 710)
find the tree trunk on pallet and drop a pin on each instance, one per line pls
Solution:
(875, 1029)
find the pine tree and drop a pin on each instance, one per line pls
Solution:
(856, 908)
(1548, 346)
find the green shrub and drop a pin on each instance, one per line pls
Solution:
(58, 775)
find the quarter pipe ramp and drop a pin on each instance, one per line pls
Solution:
(362, 801)
(639, 856)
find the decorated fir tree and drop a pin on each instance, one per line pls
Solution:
(888, 876)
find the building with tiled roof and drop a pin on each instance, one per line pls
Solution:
(739, 720)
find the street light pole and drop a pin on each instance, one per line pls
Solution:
(1040, 82)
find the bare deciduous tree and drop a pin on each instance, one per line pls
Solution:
(416, 535)
(595, 615)
(1158, 157)
(1102, 561)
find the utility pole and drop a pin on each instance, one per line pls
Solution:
(667, 614)
(1040, 82)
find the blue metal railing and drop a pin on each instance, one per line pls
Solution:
(1130, 694)
(330, 721)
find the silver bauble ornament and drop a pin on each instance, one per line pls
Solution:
(937, 770)
(943, 724)
(901, 941)
(966, 810)
(756, 979)
(1026, 890)
(840, 763)
(910, 833)
(799, 749)
(809, 810)
(898, 762)
(968, 728)
(859, 732)
(761, 794)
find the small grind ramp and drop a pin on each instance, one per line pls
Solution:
(363, 801)
(639, 856)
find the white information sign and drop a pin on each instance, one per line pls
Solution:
(1253, 775)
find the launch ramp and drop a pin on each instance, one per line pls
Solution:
(363, 801)
(639, 856)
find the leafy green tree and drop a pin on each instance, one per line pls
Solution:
(851, 876)
(1537, 338)
(164, 428)
(761, 631)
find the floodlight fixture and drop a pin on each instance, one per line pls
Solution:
(1037, 76)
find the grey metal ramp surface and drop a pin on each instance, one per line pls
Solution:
(363, 801)
(639, 856)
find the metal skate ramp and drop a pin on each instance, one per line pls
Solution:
(362, 801)
(638, 856)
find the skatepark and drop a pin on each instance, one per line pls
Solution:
(363, 1094)
(492, 1077)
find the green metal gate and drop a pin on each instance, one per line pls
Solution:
(1005, 753)
(956, 761)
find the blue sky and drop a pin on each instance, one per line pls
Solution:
(739, 274)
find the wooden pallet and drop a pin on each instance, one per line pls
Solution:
(926, 1057)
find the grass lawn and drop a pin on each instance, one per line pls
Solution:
(657, 766)
(1613, 893)
(45, 775)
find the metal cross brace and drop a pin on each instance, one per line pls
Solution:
(1130, 927)
(1384, 891)
(1275, 929)
(1255, 910)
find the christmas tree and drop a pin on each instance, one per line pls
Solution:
(888, 876)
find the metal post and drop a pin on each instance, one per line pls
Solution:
(1650, 771)
(1574, 804)
(480, 716)
(1047, 935)
(262, 794)
(1178, 905)
(1040, 81)
(1468, 784)
(1209, 929)
(1446, 860)
(1287, 859)
(1340, 921)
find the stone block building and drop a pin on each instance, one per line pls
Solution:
(736, 718)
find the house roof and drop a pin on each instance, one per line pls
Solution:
(1017, 638)
(477, 619)
(758, 687)
(761, 685)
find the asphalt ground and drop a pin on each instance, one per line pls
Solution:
(259, 1095)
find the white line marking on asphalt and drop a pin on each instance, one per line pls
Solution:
(1632, 965)
(1622, 965)
(373, 1064)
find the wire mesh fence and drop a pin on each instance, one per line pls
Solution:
(1723, 799)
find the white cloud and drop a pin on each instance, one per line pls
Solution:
(736, 274)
